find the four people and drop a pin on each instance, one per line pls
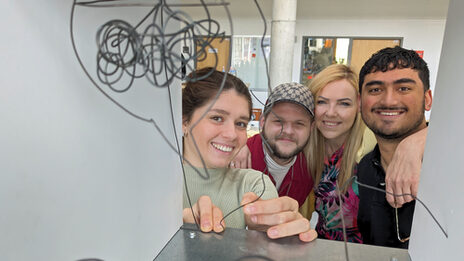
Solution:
(389, 105)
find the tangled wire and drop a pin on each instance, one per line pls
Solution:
(149, 49)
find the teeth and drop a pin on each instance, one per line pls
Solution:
(222, 147)
(389, 113)
(330, 123)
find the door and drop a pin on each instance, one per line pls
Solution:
(363, 49)
(219, 46)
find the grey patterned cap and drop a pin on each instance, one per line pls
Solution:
(291, 92)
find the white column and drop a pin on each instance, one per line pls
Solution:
(282, 41)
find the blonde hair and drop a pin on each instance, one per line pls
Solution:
(315, 150)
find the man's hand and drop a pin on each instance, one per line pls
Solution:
(279, 217)
(208, 214)
(242, 160)
(403, 172)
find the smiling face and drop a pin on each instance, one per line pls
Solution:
(393, 103)
(220, 134)
(336, 109)
(286, 129)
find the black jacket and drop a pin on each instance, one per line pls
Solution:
(376, 218)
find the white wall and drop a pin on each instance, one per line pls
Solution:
(79, 178)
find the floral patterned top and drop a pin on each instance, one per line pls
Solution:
(329, 225)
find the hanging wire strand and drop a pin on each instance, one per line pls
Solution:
(345, 238)
(262, 45)
(355, 179)
(406, 194)
(189, 200)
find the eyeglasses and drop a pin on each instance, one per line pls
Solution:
(402, 240)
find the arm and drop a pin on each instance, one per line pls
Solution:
(403, 173)
(279, 217)
(207, 214)
(242, 160)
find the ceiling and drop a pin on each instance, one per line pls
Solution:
(338, 9)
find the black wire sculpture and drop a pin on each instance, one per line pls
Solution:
(150, 50)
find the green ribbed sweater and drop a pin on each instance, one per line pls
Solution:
(226, 187)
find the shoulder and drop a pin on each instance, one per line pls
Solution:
(254, 141)
(368, 143)
(367, 159)
(366, 166)
(301, 156)
(255, 145)
(245, 174)
(373, 155)
(253, 181)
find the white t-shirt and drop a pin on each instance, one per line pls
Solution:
(277, 171)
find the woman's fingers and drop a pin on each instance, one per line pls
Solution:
(294, 227)
(275, 219)
(205, 208)
(217, 217)
(208, 214)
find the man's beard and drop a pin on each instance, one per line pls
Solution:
(272, 146)
(399, 134)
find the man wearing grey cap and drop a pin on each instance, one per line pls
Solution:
(285, 127)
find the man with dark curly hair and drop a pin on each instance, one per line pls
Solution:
(394, 87)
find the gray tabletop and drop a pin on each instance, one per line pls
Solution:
(239, 244)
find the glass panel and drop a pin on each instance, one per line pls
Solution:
(320, 52)
(342, 50)
(248, 62)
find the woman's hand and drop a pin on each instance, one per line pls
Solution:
(207, 214)
(242, 160)
(279, 217)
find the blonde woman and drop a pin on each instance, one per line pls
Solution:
(333, 151)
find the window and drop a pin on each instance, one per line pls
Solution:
(247, 61)
(320, 52)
